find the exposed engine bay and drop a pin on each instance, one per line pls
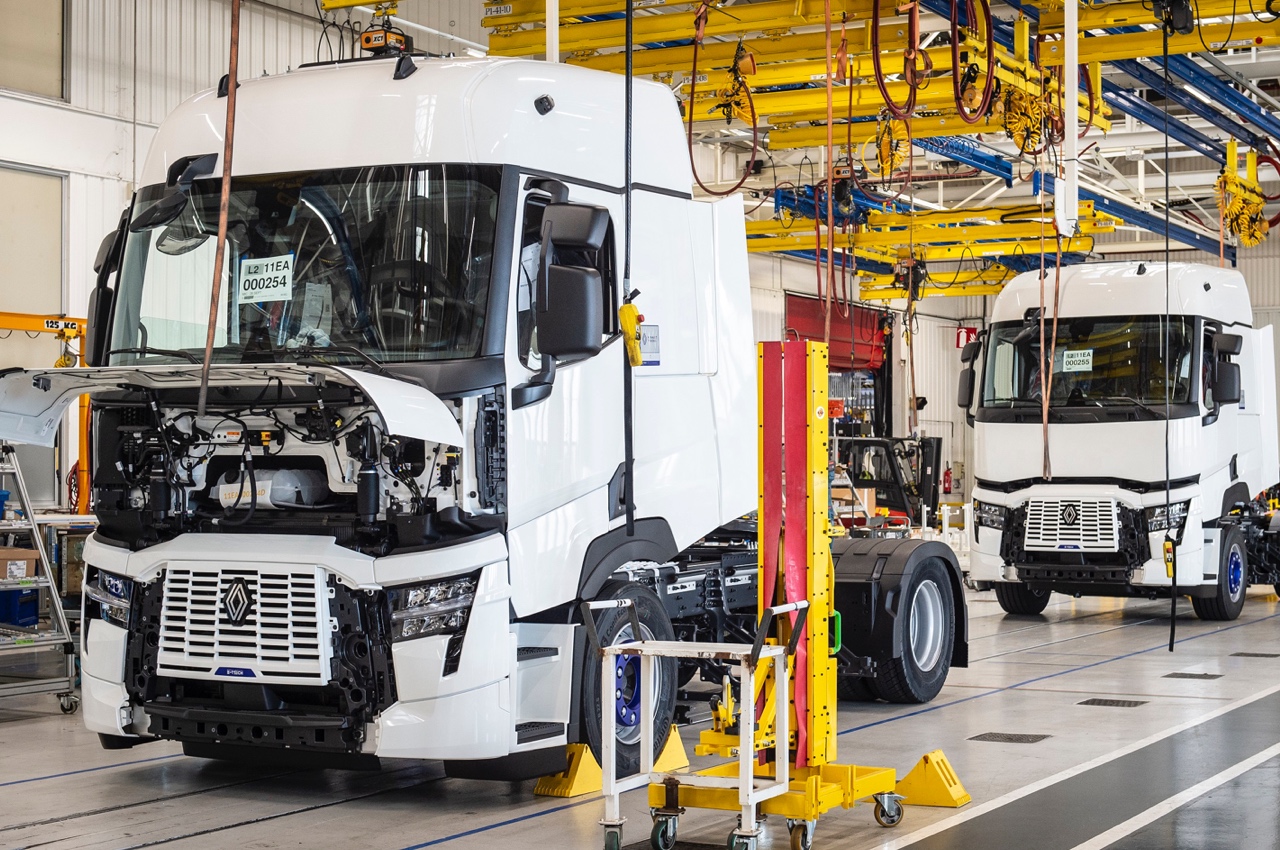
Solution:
(290, 459)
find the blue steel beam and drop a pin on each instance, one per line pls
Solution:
(1150, 79)
(1214, 88)
(1149, 221)
(1131, 104)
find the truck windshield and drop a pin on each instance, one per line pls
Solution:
(393, 261)
(1099, 361)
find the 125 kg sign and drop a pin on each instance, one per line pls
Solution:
(266, 279)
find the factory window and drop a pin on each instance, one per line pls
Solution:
(31, 47)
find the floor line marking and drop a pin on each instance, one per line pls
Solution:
(1062, 776)
(1032, 681)
(87, 770)
(1177, 801)
(921, 834)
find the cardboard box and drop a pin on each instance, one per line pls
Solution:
(867, 498)
(18, 563)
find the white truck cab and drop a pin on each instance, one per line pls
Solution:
(1161, 425)
(411, 466)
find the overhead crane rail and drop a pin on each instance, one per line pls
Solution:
(1003, 76)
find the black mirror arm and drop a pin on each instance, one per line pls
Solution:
(542, 295)
(536, 388)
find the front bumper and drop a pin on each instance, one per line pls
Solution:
(404, 699)
(1135, 567)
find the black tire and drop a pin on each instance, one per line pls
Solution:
(1233, 580)
(926, 624)
(610, 624)
(1017, 598)
(854, 689)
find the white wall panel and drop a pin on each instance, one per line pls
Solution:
(937, 372)
(768, 312)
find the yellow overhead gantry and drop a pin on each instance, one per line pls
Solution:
(67, 330)
(786, 74)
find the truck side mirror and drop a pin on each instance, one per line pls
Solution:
(569, 299)
(1226, 382)
(964, 394)
(968, 376)
(97, 332)
(1227, 345)
(572, 324)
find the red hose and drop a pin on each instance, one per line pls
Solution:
(989, 86)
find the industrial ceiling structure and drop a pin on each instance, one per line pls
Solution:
(921, 146)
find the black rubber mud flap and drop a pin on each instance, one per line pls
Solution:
(869, 575)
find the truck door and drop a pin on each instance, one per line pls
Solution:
(565, 451)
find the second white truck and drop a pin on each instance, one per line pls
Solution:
(1161, 426)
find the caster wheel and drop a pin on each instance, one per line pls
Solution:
(69, 704)
(613, 841)
(663, 836)
(801, 839)
(889, 817)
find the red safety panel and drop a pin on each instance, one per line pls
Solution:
(856, 340)
(795, 424)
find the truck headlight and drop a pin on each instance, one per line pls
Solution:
(433, 608)
(989, 515)
(113, 595)
(1166, 518)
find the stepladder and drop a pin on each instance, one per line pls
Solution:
(25, 647)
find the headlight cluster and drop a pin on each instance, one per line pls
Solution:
(989, 515)
(114, 596)
(1173, 517)
(434, 608)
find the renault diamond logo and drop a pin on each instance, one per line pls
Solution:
(1070, 514)
(237, 602)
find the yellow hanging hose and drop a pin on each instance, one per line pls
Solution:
(1240, 205)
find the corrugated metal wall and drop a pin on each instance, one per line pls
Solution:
(176, 49)
(937, 373)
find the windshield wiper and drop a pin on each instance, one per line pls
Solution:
(374, 365)
(1124, 399)
(163, 352)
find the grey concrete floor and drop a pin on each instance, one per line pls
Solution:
(59, 790)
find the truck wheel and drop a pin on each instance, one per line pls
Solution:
(926, 625)
(1017, 598)
(623, 694)
(1233, 580)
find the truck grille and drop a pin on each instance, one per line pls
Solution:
(1075, 525)
(259, 625)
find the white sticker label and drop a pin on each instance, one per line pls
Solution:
(734, 581)
(495, 11)
(1078, 361)
(650, 350)
(266, 279)
(17, 569)
(680, 587)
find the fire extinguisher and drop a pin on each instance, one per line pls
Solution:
(946, 480)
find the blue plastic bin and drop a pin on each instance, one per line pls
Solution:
(19, 608)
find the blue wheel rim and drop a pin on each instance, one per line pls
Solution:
(1235, 572)
(627, 691)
